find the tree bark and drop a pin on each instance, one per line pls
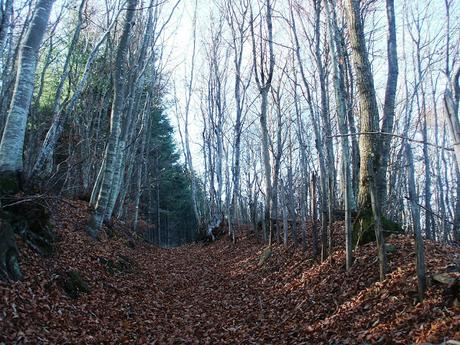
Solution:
(99, 212)
(12, 144)
(414, 208)
(389, 103)
(451, 102)
(263, 80)
(339, 87)
(367, 99)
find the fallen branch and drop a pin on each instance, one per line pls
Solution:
(430, 211)
(392, 135)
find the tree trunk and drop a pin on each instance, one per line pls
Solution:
(451, 101)
(376, 211)
(12, 144)
(264, 79)
(7, 13)
(367, 99)
(325, 113)
(389, 104)
(339, 87)
(99, 212)
(314, 215)
(282, 193)
(60, 117)
(323, 178)
(419, 246)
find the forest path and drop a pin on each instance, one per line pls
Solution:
(140, 294)
(218, 294)
(213, 296)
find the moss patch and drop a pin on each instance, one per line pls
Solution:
(363, 228)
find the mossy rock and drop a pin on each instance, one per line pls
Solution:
(266, 254)
(122, 265)
(363, 228)
(390, 248)
(74, 285)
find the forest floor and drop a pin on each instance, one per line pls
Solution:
(219, 294)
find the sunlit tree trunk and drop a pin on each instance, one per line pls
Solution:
(61, 114)
(368, 113)
(99, 212)
(368, 197)
(451, 101)
(12, 143)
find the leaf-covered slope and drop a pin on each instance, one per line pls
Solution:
(218, 294)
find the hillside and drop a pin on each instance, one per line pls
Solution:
(218, 293)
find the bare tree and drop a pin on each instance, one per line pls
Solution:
(419, 245)
(390, 96)
(368, 197)
(238, 23)
(110, 158)
(339, 87)
(263, 73)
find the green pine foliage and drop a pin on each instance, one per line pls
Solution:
(170, 183)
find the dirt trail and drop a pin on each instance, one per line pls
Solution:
(218, 294)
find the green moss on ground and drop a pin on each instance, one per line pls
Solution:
(363, 228)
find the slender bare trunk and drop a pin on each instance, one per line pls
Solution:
(99, 212)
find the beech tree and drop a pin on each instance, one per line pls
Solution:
(290, 116)
(368, 198)
(12, 143)
(264, 65)
(339, 87)
(110, 157)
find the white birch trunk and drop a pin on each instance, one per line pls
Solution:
(12, 144)
(100, 209)
(60, 116)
